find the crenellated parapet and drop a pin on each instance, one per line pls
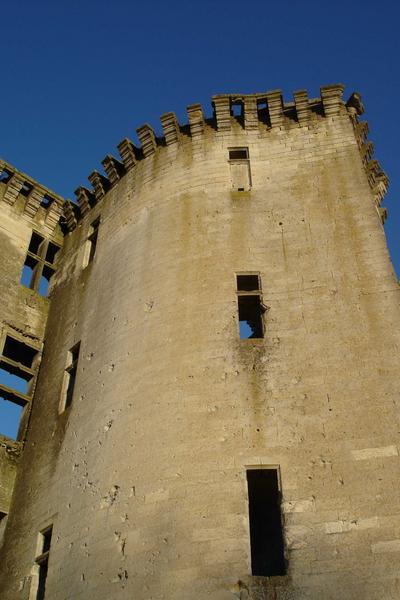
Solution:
(377, 178)
(257, 114)
(35, 196)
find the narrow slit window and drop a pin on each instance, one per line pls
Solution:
(17, 375)
(38, 268)
(42, 560)
(91, 242)
(250, 306)
(266, 532)
(239, 164)
(70, 376)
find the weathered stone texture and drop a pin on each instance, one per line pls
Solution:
(23, 312)
(144, 476)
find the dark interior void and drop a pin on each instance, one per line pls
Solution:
(46, 201)
(266, 536)
(26, 189)
(43, 561)
(247, 283)
(93, 245)
(70, 386)
(52, 250)
(43, 568)
(250, 317)
(19, 352)
(35, 242)
(5, 176)
(47, 539)
(238, 153)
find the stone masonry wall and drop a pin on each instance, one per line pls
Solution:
(23, 312)
(144, 476)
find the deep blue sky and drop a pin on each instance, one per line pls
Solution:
(78, 76)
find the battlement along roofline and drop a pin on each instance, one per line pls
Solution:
(258, 112)
(36, 195)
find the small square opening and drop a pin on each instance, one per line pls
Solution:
(238, 153)
(26, 189)
(248, 283)
(5, 176)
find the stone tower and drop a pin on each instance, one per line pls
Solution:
(212, 401)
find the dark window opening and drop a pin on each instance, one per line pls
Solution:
(238, 154)
(70, 375)
(19, 352)
(250, 317)
(43, 561)
(2, 515)
(17, 374)
(51, 253)
(46, 201)
(92, 239)
(248, 283)
(5, 176)
(266, 533)
(26, 189)
(250, 306)
(35, 243)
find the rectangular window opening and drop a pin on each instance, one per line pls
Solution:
(43, 561)
(36, 274)
(5, 175)
(266, 532)
(10, 417)
(238, 154)
(46, 201)
(19, 352)
(250, 306)
(17, 375)
(91, 242)
(34, 244)
(239, 165)
(26, 189)
(248, 283)
(70, 376)
(51, 253)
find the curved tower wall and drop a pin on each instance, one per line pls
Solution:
(143, 477)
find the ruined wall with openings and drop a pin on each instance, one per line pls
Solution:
(143, 475)
(25, 206)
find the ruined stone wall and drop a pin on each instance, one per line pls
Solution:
(144, 476)
(23, 312)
